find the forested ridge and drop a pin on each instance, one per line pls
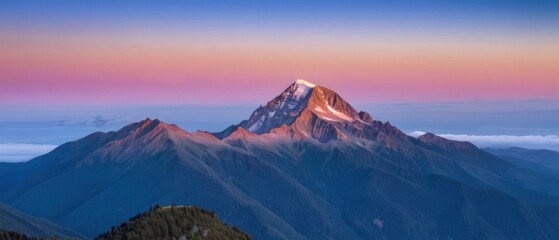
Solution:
(174, 222)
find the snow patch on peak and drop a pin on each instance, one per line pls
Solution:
(416, 134)
(331, 114)
(340, 114)
(301, 89)
(305, 83)
(257, 124)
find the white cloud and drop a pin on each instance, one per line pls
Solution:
(20, 152)
(503, 141)
(416, 134)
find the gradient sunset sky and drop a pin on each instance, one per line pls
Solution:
(182, 52)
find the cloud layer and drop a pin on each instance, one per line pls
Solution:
(504, 141)
(18, 152)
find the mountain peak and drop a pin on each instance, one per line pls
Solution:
(240, 133)
(138, 139)
(445, 144)
(305, 83)
(307, 104)
(149, 129)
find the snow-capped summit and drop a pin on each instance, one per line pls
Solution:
(300, 89)
(305, 83)
(303, 107)
(283, 109)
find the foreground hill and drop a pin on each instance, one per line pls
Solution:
(174, 222)
(306, 165)
(14, 223)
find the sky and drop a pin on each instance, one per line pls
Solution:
(68, 68)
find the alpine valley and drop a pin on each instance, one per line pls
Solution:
(306, 165)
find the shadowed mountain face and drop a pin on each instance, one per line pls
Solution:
(15, 221)
(304, 166)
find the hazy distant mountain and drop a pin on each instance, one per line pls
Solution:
(306, 165)
(174, 222)
(542, 160)
(16, 221)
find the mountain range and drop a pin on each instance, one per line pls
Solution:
(306, 165)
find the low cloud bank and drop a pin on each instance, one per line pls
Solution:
(21, 152)
(503, 141)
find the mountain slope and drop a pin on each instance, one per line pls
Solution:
(544, 161)
(152, 162)
(306, 165)
(16, 221)
(174, 222)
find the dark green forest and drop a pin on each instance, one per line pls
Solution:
(11, 235)
(174, 222)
